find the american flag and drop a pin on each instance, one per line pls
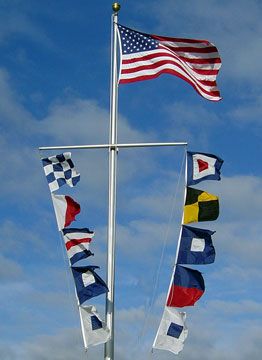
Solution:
(145, 56)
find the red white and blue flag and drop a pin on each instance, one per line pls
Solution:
(202, 166)
(146, 56)
(66, 210)
(187, 287)
(77, 243)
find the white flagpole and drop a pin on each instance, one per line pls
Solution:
(109, 346)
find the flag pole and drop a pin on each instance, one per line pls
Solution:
(109, 346)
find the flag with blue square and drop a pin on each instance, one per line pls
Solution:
(172, 331)
(94, 329)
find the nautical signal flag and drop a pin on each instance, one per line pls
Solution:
(66, 210)
(146, 56)
(95, 331)
(196, 246)
(187, 287)
(172, 331)
(60, 170)
(77, 243)
(202, 166)
(200, 206)
(88, 283)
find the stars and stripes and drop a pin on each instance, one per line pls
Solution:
(145, 56)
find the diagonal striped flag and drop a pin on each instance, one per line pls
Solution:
(145, 56)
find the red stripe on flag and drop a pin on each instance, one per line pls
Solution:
(190, 41)
(74, 242)
(214, 94)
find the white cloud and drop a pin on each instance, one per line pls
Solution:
(235, 28)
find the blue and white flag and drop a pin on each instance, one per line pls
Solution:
(172, 331)
(60, 170)
(202, 166)
(94, 329)
(196, 246)
(77, 243)
(88, 283)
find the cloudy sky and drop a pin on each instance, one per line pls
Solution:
(54, 90)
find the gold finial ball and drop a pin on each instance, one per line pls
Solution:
(116, 7)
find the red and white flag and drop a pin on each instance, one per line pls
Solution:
(66, 210)
(146, 56)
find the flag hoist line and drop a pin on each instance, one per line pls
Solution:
(113, 148)
(178, 243)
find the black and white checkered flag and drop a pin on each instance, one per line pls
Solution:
(60, 170)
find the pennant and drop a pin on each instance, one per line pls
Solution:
(172, 331)
(200, 206)
(202, 166)
(88, 283)
(95, 331)
(77, 243)
(60, 170)
(66, 210)
(187, 287)
(196, 246)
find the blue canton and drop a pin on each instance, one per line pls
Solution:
(134, 42)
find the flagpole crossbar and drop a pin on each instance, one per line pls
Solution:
(110, 146)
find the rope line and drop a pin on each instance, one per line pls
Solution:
(163, 251)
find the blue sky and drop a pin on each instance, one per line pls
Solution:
(54, 90)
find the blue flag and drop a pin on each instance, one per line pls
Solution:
(88, 283)
(196, 246)
(202, 166)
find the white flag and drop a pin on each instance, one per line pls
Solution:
(172, 331)
(94, 329)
